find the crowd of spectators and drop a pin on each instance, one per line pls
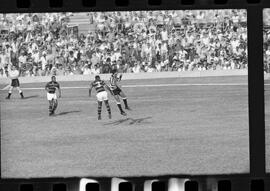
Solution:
(266, 48)
(138, 41)
(266, 39)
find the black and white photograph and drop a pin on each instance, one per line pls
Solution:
(125, 93)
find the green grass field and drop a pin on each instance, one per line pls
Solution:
(180, 128)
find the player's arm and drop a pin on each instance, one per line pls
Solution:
(90, 89)
(116, 83)
(7, 70)
(120, 77)
(59, 90)
(108, 88)
(7, 73)
(47, 87)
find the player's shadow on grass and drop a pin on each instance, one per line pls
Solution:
(130, 121)
(67, 112)
(29, 97)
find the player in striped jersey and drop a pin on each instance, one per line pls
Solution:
(101, 95)
(13, 74)
(51, 94)
(117, 91)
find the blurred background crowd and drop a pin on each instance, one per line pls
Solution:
(266, 40)
(138, 41)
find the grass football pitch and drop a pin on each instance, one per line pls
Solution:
(176, 126)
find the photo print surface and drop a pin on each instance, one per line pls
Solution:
(139, 93)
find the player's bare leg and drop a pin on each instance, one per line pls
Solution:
(124, 98)
(50, 107)
(118, 102)
(108, 108)
(20, 91)
(55, 104)
(99, 109)
(9, 92)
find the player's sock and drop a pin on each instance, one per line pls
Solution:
(50, 108)
(108, 108)
(8, 97)
(55, 105)
(99, 109)
(125, 102)
(121, 110)
(120, 107)
(21, 93)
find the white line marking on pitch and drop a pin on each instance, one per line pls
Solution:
(6, 87)
(152, 85)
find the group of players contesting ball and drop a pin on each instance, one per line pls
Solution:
(99, 85)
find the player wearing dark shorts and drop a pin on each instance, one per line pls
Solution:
(13, 74)
(117, 91)
(101, 95)
(51, 94)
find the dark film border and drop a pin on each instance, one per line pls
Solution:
(255, 56)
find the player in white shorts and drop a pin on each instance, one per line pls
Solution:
(51, 94)
(117, 92)
(101, 95)
(13, 74)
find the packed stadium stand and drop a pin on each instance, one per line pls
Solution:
(266, 37)
(138, 41)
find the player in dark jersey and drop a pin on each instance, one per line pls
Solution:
(101, 95)
(51, 94)
(117, 91)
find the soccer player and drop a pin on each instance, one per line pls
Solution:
(51, 94)
(101, 95)
(117, 91)
(13, 74)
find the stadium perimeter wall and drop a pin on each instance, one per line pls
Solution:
(132, 76)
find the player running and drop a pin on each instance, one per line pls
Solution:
(13, 74)
(51, 94)
(117, 91)
(101, 95)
